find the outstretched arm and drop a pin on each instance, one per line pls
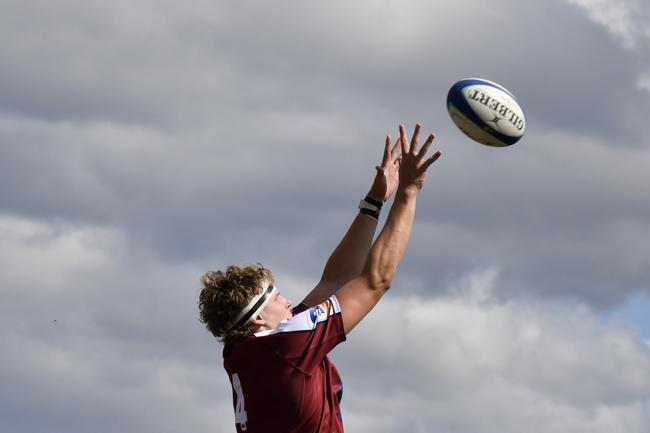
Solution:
(348, 258)
(361, 294)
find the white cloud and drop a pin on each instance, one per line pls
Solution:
(622, 18)
(48, 257)
(462, 364)
(97, 337)
(103, 386)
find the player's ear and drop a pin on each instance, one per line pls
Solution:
(257, 321)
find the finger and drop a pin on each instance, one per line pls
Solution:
(426, 146)
(403, 139)
(431, 160)
(395, 151)
(414, 139)
(387, 152)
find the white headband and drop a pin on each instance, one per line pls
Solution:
(254, 306)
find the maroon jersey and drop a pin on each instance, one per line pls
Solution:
(282, 380)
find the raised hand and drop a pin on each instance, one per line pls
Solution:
(412, 164)
(387, 177)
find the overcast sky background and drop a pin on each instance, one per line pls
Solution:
(145, 142)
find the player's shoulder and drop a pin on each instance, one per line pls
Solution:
(306, 318)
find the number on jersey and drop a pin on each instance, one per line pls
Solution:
(240, 405)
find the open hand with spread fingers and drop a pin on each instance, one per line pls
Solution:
(413, 163)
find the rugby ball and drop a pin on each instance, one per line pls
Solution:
(486, 112)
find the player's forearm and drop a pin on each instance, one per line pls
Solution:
(388, 250)
(348, 258)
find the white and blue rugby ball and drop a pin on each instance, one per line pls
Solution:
(486, 112)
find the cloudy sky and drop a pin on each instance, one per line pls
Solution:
(145, 142)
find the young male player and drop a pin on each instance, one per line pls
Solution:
(276, 359)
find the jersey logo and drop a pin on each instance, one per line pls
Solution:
(313, 315)
(320, 312)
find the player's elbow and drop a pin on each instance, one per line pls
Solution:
(379, 270)
(379, 281)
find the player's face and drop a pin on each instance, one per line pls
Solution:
(276, 310)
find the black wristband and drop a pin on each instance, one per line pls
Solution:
(373, 202)
(370, 213)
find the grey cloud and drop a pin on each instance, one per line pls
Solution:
(144, 144)
(114, 62)
(564, 213)
(157, 65)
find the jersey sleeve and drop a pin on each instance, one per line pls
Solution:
(305, 339)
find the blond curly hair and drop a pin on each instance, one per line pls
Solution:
(225, 294)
